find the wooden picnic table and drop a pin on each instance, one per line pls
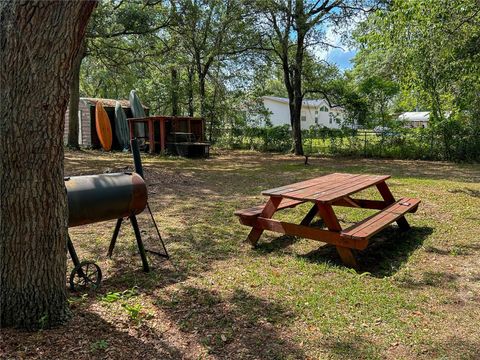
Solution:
(325, 192)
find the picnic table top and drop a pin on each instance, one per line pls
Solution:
(326, 188)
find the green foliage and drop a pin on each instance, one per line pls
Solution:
(270, 138)
(99, 345)
(430, 48)
(112, 297)
(379, 92)
(132, 310)
(43, 321)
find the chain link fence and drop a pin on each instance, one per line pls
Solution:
(419, 143)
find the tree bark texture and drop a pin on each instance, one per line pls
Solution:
(73, 119)
(174, 91)
(39, 41)
(191, 74)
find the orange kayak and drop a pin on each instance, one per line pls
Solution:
(102, 124)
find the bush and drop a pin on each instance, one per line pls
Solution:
(272, 138)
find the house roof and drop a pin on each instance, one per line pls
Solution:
(109, 102)
(415, 116)
(306, 102)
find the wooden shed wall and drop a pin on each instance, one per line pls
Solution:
(85, 130)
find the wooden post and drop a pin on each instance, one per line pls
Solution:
(151, 136)
(267, 212)
(310, 216)
(389, 199)
(331, 221)
(162, 135)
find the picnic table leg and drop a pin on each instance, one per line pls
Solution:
(390, 199)
(267, 212)
(331, 221)
(310, 216)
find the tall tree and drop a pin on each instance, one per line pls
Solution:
(290, 27)
(39, 41)
(119, 34)
(212, 30)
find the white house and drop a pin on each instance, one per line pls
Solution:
(415, 119)
(314, 112)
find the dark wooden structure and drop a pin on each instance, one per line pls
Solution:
(164, 130)
(325, 192)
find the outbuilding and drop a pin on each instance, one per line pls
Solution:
(415, 119)
(87, 135)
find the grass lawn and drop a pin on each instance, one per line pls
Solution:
(416, 295)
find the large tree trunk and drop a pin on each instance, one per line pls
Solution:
(297, 82)
(73, 119)
(297, 126)
(174, 91)
(295, 100)
(191, 73)
(287, 79)
(202, 93)
(39, 41)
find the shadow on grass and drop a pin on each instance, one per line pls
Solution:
(86, 336)
(236, 326)
(385, 254)
(351, 347)
(470, 192)
(390, 249)
(454, 347)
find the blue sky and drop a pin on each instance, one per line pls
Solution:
(341, 57)
(339, 53)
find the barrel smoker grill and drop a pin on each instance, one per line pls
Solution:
(96, 198)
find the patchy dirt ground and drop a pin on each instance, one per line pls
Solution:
(416, 295)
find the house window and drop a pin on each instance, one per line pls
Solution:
(323, 108)
(331, 120)
(303, 118)
(316, 119)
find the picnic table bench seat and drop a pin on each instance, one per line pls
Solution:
(379, 221)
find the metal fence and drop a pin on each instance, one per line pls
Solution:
(403, 144)
(367, 143)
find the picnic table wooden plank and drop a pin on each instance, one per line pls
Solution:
(353, 188)
(257, 210)
(309, 233)
(377, 222)
(329, 183)
(305, 184)
(334, 191)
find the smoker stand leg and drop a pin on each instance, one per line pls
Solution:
(165, 254)
(73, 253)
(141, 248)
(114, 237)
(74, 256)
